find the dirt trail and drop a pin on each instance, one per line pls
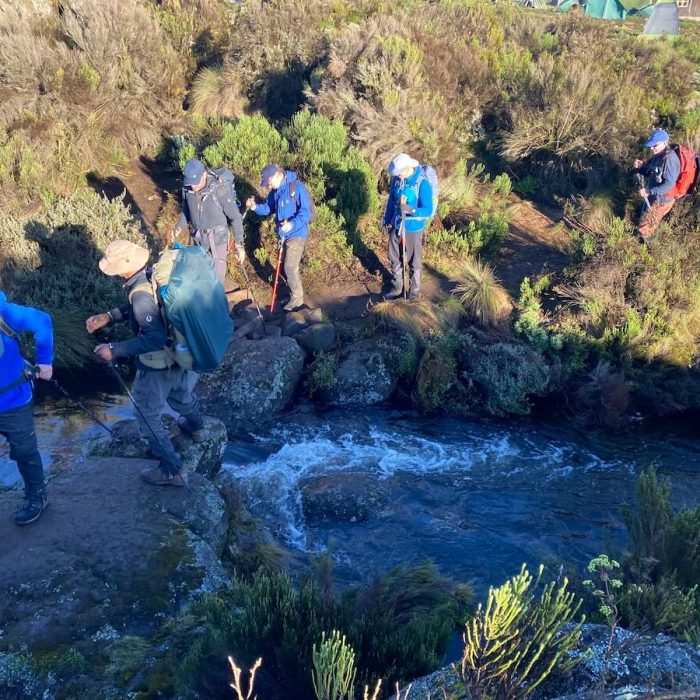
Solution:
(536, 244)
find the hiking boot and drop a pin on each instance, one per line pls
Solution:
(31, 509)
(158, 477)
(293, 304)
(198, 436)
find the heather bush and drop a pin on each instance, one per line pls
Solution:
(397, 626)
(50, 260)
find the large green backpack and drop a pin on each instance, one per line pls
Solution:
(194, 307)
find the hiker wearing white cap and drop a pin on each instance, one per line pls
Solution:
(409, 207)
(658, 175)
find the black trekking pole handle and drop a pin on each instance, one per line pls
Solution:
(32, 372)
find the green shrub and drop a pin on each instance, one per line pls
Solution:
(502, 185)
(247, 146)
(398, 628)
(334, 670)
(519, 639)
(321, 373)
(17, 678)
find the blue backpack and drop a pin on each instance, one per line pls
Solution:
(194, 306)
(427, 172)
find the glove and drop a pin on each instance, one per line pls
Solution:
(239, 253)
(406, 210)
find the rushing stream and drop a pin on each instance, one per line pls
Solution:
(477, 498)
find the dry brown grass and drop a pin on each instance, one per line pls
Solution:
(482, 297)
(216, 92)
(418, 317)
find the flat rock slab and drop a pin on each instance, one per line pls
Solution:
(110, 553)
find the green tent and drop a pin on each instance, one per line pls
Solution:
(605, 9)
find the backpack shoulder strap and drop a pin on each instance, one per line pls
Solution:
(4, 328)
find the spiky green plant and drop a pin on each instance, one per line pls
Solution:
(517, 641)
(333, 674)
(482, 297)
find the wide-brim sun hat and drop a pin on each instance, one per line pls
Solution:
(122, 257)
(401, 162)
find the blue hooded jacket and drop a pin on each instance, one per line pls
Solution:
(19, 319)
(296, 210)
(418, 198)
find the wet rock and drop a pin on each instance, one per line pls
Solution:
(364, 376)
(342, 498)
(204, 458)
(110, 553)
(255, 382)
(316, 338)
(639, 664)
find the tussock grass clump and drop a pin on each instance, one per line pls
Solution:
(216, 92)
(418, 317)
(483, 298)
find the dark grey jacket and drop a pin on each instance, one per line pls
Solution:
(213, 207)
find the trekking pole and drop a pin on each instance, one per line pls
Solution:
(277, 276)
(640, 182)
(252, 296)
(33, 372)
(121, 381)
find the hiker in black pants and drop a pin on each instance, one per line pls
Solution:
(16, 405)
(158, 379)
(208, 207)
(408, 209)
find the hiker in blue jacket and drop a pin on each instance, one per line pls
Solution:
(16, 405)
(289, 200)
(208, 207)
(407, 210)
(159, 381)
(661, 172)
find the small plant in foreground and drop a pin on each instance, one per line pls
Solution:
(334, 670)
(237, 685)
(517, 641)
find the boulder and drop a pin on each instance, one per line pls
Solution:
(298, 320)
(204, 458)
(364, 376)
(318, 337)
(349, 497)
(110, 554)
(638, 666)
(255, 382)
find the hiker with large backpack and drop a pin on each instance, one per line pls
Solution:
(294, 210)
(178, 313)
(412, 203)
(209, 206)
(668, 175)
(16, 405)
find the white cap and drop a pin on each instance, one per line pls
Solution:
(401, 162)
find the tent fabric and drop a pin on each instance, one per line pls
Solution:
(605, 9)
(664, 19)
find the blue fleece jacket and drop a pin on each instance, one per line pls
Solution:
(19, 319)
(418, 196)
(296, 210)
(661, 171)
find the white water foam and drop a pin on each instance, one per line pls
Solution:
(273, 485)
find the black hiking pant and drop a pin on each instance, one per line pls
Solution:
(17, 426)
(413, 256)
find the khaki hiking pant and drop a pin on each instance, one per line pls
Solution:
(650, 220)
(152, 390)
